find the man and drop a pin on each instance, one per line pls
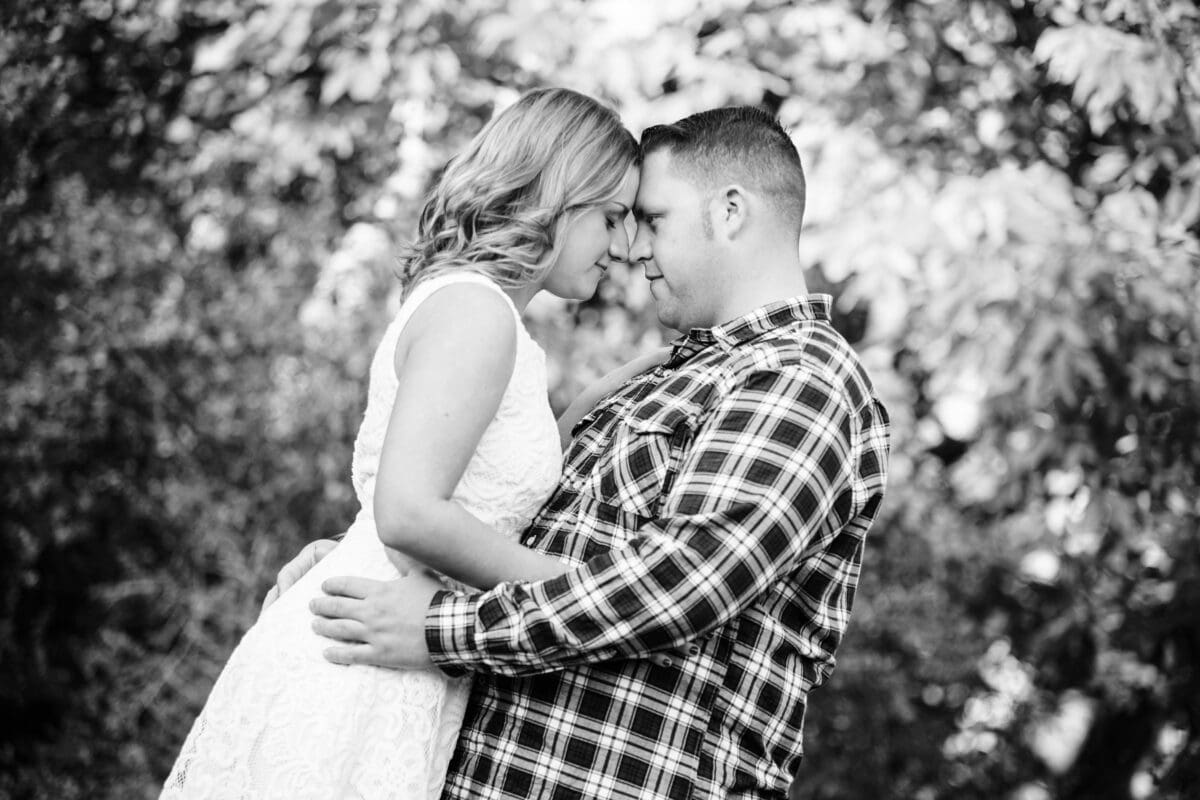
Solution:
(715, 508)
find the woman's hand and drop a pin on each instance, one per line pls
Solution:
(637, 366)
(600, 389)
(295, 569)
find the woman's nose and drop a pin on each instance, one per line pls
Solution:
(618, 244)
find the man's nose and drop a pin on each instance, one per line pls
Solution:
(641, 249)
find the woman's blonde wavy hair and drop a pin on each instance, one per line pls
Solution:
(501, 206)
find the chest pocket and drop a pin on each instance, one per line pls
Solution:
(646, 451)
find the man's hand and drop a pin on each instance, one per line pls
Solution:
(381, 623)
(295, 569)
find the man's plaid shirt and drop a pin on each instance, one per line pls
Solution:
(717, 504)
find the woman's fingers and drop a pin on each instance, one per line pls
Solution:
(271, 597)
(297, 568)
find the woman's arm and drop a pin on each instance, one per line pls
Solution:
(605, 386)
(454, 360)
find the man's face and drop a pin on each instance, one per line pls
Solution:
(674, 248)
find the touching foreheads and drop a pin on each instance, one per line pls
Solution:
(739, 144)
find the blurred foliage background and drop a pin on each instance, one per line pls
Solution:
(199, 206)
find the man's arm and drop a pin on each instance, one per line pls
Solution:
(766, 471)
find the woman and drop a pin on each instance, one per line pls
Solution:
(457, 441)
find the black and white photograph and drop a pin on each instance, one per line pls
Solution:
(600, 400)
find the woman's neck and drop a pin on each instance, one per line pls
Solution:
(522, 296)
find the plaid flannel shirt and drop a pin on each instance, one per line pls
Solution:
(717, 504)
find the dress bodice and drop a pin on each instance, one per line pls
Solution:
(518, 460)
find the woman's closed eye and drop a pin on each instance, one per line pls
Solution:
(616, 217)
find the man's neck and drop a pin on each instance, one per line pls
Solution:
(768, 279)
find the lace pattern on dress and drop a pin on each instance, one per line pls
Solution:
(281, 721)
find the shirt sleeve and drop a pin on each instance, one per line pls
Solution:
(766, 471)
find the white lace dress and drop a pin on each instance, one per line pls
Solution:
(281, 721)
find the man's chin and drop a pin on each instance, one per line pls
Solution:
(668, 320)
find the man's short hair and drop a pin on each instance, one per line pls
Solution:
(738, 144)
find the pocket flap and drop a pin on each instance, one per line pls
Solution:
(658, 418)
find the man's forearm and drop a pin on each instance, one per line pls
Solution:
(646, 598)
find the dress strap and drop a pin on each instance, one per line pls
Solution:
(425, 288)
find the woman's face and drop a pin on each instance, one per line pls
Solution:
(592, 243)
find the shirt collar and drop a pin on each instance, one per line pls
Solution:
(812, 307)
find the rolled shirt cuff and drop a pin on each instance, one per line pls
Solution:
(450, 632)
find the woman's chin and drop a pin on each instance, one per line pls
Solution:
(587, 290)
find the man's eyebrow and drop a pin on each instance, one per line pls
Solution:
(639, 211)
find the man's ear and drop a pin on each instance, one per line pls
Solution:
(731, 211)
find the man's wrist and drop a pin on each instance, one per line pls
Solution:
(450, 632)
